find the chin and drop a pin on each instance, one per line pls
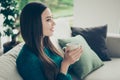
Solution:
(50, 35)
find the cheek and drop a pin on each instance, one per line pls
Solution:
(46, 28)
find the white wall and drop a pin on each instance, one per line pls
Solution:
(90, 13)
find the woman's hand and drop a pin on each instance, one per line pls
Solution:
(70, 57)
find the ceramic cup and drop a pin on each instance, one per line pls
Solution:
(72, 46)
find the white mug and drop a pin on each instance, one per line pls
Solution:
(72, 46)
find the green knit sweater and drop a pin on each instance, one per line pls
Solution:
(30, 67)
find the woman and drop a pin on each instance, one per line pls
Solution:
(38, 58)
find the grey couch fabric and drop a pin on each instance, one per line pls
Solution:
(1, 52)
(110, 71)
(113, 44)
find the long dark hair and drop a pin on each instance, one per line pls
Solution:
(31, 30)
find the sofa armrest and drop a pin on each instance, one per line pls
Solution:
(113, 44)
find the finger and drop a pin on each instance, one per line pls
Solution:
(80, 52)
(76, 51)
(77, 54)
(76, 58)
(67, 50)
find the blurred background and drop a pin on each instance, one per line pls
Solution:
(9, 18)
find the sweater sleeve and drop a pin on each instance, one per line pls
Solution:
(29, 67)
(62, 76)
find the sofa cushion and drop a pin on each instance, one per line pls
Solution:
(8, 69)
(96, 38)
(88, 62)
(110, 71)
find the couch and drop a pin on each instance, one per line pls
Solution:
(109, 71)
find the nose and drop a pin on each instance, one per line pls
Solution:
(53, 23)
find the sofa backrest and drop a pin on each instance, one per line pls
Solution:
(113, 44)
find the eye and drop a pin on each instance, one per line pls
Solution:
(48, 20)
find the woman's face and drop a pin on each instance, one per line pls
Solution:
(47, 23)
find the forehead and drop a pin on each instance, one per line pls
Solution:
(46, 13)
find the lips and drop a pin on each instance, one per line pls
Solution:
(52, 29)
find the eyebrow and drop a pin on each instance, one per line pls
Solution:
(49, 17)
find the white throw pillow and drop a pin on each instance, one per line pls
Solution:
(8, 69)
